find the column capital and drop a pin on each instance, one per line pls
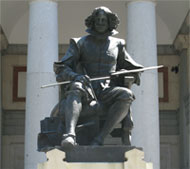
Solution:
(42, 1)
(133, 1)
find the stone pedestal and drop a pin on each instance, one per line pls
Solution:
(97, 153)
(85, 157)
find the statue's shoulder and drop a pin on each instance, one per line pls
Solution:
(80, 40)
(118, 41)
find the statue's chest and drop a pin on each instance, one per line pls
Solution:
(99, 52)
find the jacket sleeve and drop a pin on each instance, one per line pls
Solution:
(125, 61)
(65, 69)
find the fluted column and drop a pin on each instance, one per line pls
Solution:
(141, 44)
(42, 52)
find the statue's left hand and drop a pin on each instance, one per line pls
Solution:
(83, 79)
(137, 78)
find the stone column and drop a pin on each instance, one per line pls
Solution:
(142, 46)
(42, 52)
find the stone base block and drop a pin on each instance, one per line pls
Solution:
(101, 157)
(97, 153)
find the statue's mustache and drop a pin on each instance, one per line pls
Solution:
(100, 25)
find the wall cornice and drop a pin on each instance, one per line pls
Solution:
(3, 40)
(182, 39)
(21, 49)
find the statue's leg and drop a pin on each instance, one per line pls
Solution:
(127, 125)
(120, 105)
(72, 110)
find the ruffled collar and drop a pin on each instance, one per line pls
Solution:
(102, 36)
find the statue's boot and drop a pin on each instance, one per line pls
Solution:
(127, 125)
(68, 141)
(116, 114)
(72, 110)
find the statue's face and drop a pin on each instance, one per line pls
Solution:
(101, 22)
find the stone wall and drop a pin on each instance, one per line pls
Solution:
(13, 122)
(169, 122)
(182, 46)
(169, 152)
(8, 63)
(169, 109)
(170, 61)
(13, 152)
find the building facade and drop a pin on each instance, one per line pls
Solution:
(30, 34)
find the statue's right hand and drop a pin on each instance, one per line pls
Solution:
(59, 78)
(82, 78)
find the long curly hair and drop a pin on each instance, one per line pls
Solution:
(113, 20)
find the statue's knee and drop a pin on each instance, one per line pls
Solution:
(76, 89)
(127, 95)
(76, 85)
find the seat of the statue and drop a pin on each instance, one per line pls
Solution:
(114, 153)
(52, 130)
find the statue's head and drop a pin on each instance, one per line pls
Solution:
(102, 20)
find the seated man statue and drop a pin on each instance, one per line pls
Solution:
(96, 54)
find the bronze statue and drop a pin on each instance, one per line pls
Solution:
(94, 55)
